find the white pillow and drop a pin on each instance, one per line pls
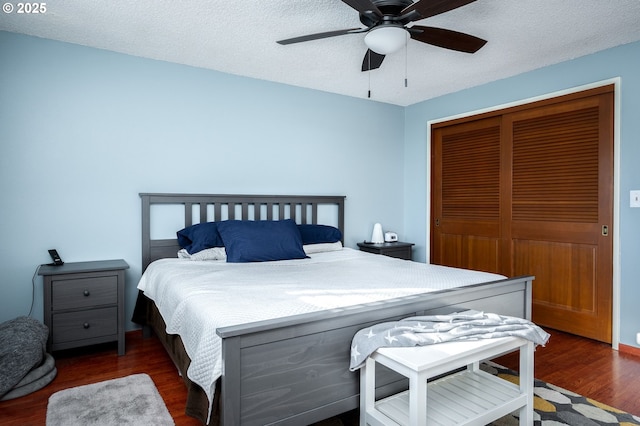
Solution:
(215, 253)
(322, 247)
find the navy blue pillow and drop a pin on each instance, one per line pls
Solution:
(200, 236)
(316, 234)
(261, 240)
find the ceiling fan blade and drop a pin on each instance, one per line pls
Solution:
(427, 8)
(318, 36)
(372, 60)
(364, 6)
(446, 38)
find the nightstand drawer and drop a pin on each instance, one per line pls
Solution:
(84, 292)
(72, 326)
(400, 253)
(395, 249)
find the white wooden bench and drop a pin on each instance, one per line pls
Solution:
(467, 397)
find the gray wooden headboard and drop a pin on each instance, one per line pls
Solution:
(301, 208)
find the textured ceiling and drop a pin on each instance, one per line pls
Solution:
(239, 37)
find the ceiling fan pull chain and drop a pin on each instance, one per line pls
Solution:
(406, 62)
(369, 73)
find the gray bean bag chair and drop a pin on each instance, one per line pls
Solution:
(24, 364)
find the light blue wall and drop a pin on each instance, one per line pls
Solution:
(83, 131)
(623, 62)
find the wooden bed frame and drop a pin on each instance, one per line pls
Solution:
(294, 370)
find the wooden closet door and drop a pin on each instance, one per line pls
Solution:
(529, 191)
(466, 161)
(562, 211)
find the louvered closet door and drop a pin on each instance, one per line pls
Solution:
(465, 182)
(561, 212)
(529, 191)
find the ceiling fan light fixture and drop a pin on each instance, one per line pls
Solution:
(386, 39)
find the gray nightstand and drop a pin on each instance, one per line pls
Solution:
(396, 249)
(84, 303)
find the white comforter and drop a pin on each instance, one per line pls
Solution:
(196, 298)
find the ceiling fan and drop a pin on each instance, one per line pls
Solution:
(388, 31)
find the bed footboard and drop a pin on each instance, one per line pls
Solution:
(296, 371)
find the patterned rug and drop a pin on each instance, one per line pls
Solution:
(556, 406)
(553, 406)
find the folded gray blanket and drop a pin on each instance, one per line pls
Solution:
(22, 347)
(432, 329)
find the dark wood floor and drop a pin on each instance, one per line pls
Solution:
(584, 366)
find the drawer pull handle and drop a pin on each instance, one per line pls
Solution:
(86, 325)
(86, 293)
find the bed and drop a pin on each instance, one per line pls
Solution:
(293, 369)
